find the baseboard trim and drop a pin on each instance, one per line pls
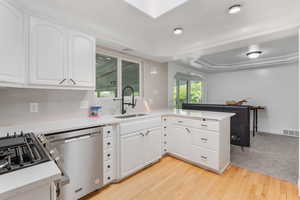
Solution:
(263, 132)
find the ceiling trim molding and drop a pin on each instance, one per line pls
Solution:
(267, 62)
(276, 32)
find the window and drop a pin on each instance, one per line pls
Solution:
(106, 76)
(131, 76)
(114, 73)
(187, 89)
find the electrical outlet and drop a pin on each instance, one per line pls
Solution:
(34, 107)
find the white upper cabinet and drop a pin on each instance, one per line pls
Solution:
(60, 57)
(82, 60)
(12, 40)
(47, 53)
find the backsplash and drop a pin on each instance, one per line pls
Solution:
(52, 105)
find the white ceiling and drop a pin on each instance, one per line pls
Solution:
(206, 23)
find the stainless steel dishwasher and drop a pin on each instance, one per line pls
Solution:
(80, 153)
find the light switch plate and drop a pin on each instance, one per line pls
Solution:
(34, 107)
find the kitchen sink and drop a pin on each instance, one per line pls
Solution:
(130, 116)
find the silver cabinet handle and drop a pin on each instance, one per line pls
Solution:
(204, 125)
(180, 121)
(188, 130)
(61, 82)
(74, 83)
(204, 157)
(142, 134)
(204, 139)
(147, 133)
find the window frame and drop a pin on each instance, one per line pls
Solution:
(188, 91)
(121, 58)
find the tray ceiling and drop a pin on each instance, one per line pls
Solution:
(206, 23)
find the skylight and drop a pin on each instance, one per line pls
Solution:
(155, 8)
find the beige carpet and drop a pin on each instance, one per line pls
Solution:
(273, 155)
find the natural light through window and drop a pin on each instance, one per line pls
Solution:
(155, 8)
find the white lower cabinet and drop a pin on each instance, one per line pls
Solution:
(204, 142)
(132, 151)
(139, 149)
(178, 140)
(152, 144)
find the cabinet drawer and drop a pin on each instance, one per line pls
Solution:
(139, 124)
(205, 157)
(107, 131)
(107, 177)
(107, 143)
(108, 166)
(205, 139)
(108, 155)
(205, 124)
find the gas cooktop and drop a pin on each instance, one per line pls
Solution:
(20, 151)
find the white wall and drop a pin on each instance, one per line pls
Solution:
(65, 104)
(276, 88)
(173, 68)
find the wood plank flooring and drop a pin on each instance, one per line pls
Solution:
(172, 179)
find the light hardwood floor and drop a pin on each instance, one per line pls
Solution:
(172, 179)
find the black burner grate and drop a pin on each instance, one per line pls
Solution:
(20, 151)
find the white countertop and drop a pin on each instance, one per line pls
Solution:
(27, 178)
(73, 124)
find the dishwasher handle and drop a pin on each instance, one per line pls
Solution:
(76, 138)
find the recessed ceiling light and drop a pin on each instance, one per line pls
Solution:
(254, 54)
(178, 31)
(235, 9)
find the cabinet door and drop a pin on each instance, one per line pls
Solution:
(152, 145)
(47, 53)
(132, 153)
(12, 50)
(178, 140)
(82, 64)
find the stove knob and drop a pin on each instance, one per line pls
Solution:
(52, 152)
(42, 139)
